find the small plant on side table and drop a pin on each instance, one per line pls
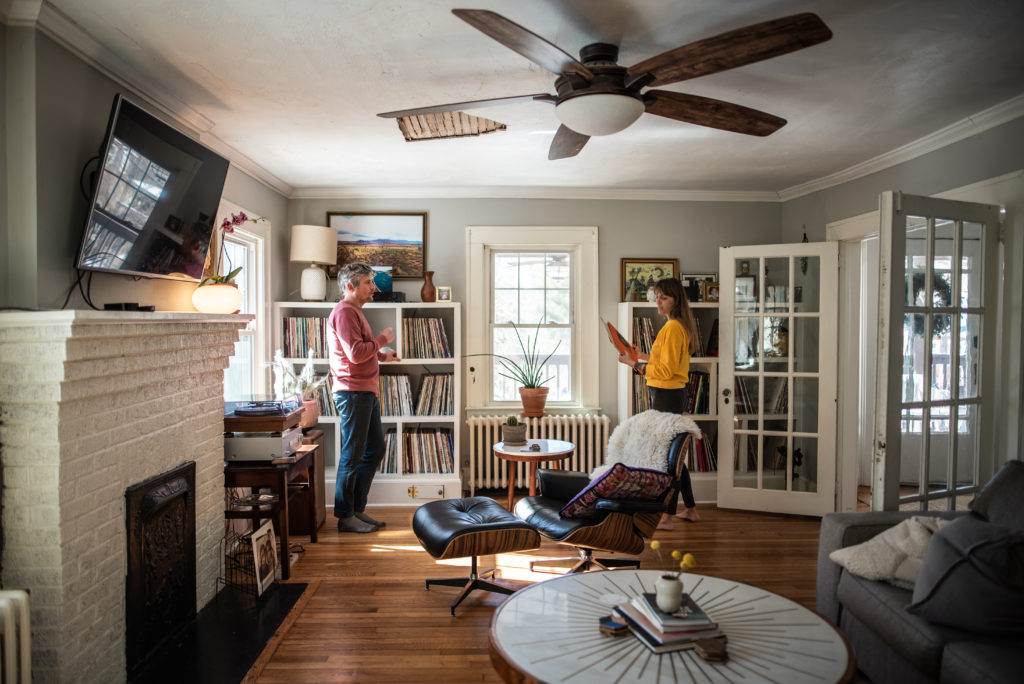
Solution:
(513, 433)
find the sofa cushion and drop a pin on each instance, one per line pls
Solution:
(973, 578)
(894, 555)
(992, 661)
(620, 482)
(999, 501)
(881, 607)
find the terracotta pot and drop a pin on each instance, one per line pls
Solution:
(428, 293)
(534, 399)
(310, 414)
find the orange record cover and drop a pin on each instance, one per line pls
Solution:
(620, 342)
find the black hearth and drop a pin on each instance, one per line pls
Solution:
(160, 590)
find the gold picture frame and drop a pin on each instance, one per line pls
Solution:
(709, 291)
(635, 275)
(444, 293)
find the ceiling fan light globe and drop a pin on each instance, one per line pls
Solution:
(599, 113)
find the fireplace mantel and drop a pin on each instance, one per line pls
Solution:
(92, 402)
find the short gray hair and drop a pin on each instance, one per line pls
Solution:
(353, 273)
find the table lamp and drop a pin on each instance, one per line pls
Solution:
(314, 245)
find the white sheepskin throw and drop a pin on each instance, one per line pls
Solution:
(643, 440)
(894, 556)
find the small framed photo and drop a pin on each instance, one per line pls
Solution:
(444, 293)
(264, 553)
(692, 284)
(639, 274)
(709, 291)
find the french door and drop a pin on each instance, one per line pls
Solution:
(777, 377)
(937, 318)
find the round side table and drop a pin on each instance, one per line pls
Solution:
(553, 450)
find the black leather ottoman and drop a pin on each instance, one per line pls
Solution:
(474, 526)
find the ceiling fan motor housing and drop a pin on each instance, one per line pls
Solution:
(603, 104)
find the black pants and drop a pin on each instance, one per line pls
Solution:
(675, 401)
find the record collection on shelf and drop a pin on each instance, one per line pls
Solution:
(300, 334)
(436, 396)
(701, 457)
(424, 338)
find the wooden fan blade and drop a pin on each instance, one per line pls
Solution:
(567, 143)
(472, 104)
(525, 42)
(734, 48)
(705, 111)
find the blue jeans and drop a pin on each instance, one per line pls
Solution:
(362, 449)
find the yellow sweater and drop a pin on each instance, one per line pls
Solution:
(669, 366)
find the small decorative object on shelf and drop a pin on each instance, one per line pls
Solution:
(444, 293)
(669, 588)
(428, 293)
(513, 433)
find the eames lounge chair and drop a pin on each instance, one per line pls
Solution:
(616, 512)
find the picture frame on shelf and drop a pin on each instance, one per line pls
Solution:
(709, 291)
(746, 293)
(444, 293)
(637, 274)
(692, 284)
(395, 239)
(264, 554)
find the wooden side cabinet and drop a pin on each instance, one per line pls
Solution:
(299, 522)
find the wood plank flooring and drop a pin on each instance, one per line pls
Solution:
(367, 617)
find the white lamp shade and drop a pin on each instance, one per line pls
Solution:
(314, 244)
(599, 113)
(217, 298)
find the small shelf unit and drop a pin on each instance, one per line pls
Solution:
(635, 316)
(420, 472)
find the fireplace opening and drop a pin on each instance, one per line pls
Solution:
(160, 589)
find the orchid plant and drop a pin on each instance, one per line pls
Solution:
(228, 226)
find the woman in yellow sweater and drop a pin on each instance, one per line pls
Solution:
(667, 369)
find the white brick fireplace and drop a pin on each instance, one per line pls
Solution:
(90, 403)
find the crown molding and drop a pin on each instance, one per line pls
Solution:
(531, 192)
(965, 128)
(58, 27)
(20, 13)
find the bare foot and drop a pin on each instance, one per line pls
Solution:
(690, 514)
(666, 522)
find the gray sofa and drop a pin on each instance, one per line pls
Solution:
(968, 599)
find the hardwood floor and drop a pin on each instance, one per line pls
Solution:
(367, 618)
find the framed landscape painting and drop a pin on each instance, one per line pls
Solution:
(638, 273)
(395, 239)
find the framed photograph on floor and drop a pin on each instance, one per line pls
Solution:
(264, 553)
(692, 284)
(637, 274)
(395, 239)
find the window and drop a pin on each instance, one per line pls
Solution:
(532, 305)
(245, 377)
(541, 283)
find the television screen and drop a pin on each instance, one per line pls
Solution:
(154, 201)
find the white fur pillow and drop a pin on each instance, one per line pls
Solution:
(893, 556)
(642, 441)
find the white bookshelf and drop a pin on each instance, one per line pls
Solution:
(705, 484)
(402, 488)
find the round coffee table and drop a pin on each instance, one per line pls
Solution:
(548, 632)
(550, 450)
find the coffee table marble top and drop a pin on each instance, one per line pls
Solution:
(549, 632)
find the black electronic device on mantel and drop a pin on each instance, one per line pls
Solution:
(154, 201)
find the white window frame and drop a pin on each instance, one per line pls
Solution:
(581, 243)
(256, 238)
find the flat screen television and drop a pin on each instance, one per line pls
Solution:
(154, 200)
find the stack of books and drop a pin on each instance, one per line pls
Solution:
(664, 632)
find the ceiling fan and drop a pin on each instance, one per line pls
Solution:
(596, 96)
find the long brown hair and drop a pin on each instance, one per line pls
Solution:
(671, 287)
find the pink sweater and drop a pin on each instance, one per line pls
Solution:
(354, 351)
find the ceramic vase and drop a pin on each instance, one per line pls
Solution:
(668, 593)
(428, 293)
(310, 414)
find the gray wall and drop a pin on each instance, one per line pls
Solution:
(3, 164)
(689, 231)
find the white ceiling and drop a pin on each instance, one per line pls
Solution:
(291, 88)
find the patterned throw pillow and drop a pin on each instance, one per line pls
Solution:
(620, 482)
